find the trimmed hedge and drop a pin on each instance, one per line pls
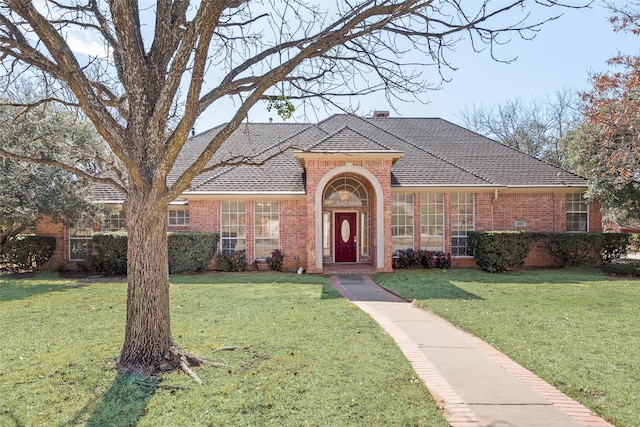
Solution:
(27, 252)
(187, 251)
(624, 267)
(576, 249)
(498, 251)
(235, 261)
(615, 246)
(191, 251)
(111, 252)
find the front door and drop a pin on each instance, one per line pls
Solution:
(345, 237)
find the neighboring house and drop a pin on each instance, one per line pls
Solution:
(355, 190)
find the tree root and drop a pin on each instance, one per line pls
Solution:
(185, 367)
(174, 358)
(229, 348)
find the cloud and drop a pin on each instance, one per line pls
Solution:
(87, 46)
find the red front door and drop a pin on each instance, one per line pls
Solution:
(345, 237)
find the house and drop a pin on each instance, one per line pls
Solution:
(357, 189)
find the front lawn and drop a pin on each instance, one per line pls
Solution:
(282, 350)
(575, 328)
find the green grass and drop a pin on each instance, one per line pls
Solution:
(575, 328)
(302, 356)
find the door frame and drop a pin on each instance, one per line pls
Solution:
(335, 230)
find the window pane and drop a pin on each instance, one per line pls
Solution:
(114, 221)
(462, 221)
(402, 221)
(577, 213)
(232, 226)
(345, 192)
(364, 234)
(432, 222)
(178, 217)
(80, 242)
(267, 228)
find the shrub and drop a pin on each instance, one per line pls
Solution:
(634, 242)
(111, 252)
(27, 252)
(187, 251)
(623, 268)
(575, 249)
(410, 259)
(275, 260)
(443, 261)
(615, 245)
(407, 259)
(497, 251)
(191, 251)
(232, 261)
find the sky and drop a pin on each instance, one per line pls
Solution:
(562, 55)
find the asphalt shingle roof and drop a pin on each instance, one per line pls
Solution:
(436, 153)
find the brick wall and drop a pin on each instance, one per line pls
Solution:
(527, 211)
(293, 233)
(60, 257)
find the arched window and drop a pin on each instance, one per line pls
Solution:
(345, 192)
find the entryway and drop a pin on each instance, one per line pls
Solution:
(345, 237)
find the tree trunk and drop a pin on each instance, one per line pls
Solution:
(148, 344)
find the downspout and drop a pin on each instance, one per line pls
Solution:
(495, 197)
(553, 211)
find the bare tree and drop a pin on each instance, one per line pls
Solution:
(535, 127)
(146, 92)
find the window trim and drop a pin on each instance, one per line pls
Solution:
(572, 203)
(87, 236)
(119, 219)
(185, 218)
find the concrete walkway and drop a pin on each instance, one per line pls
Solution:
(473, 383)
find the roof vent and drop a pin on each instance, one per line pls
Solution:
(380, 113)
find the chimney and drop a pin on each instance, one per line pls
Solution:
(380, 113)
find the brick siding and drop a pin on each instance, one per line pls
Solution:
(504, 211)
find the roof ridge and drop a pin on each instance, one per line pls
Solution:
(414, 145)
(347, 127)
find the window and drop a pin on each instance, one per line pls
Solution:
(461, 223)
(345, 192)
(326, 233)
(232, 227)
(364, 234)
(80, 242)
(402, 221)
(432, 222)
(577, 213)
(114, 221)
(267, 228)
(178, 217)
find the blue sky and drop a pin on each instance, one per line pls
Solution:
(563, 54)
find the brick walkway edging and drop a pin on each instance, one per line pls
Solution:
(456, 411)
